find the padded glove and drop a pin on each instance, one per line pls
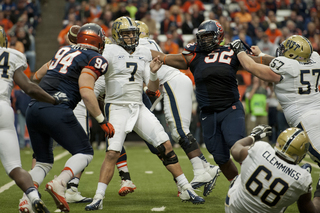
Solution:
(261, 131)
(60, 97)
(107, 128)
(153, 94)
(237, 46)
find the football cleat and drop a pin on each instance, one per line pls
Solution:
(96, 204)
(74, 196)
(126, 187)
(39, 206)
(214, 173)
(188, 195)
(200, 180)
(25, 205)
(57, 190)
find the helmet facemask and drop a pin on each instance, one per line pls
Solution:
(207, 41)
(127, 42)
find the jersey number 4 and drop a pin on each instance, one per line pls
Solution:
(4, 61)
(277, 187)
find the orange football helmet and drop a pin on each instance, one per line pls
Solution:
(91, 36)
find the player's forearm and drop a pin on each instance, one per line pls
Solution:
(90, 101)
(153, 85)
(239, 150)
(40, 73)
(174, 60)
(260, 70)
(263, 59)
(34, 91)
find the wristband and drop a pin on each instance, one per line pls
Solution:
(145, 89)
(153, 76)
(261, 54)
(100, 118)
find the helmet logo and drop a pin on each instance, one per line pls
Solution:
(292, 44)
(219, 26)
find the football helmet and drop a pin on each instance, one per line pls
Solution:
(144, 29)
(123, 25)
(91, 36)
(296, 47)
(292, 144)
(210, 34)
(3, 38)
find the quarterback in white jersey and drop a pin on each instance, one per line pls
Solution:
(270, 178)
(177, 95)
(127, 64)
(295, 74)
(13, 63)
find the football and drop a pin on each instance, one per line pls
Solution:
(72, 34)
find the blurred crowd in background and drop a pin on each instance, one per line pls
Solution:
(173, 24)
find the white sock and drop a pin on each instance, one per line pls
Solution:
(78, 162)
(65, 176)
(32, 194)
(102, 187)
(182, 180)
(197, 166)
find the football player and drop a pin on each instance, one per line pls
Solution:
(73, 68)
(295, 74)
(125, 110)
(270, 178)
(178, 90)
(214, 68)
(13, 63)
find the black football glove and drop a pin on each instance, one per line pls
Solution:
(107, 128)
(237, 46)
(261, 131)
(60, 97)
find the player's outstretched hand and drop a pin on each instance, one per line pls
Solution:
(255, 50)
(107, 128)
(261, 131)
(153, 94)
(237, 46)
(155, 64)
(60, 97)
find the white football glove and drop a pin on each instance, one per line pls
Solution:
(261, 131)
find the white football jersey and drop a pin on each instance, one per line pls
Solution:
(10, 61)
(266, 182)
(298, 92)
(126, 73)
(165, 73)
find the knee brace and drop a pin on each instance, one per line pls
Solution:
(188, 143)
(167, 159)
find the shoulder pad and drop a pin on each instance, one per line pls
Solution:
(192, 47)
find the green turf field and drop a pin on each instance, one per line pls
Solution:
(154, 190)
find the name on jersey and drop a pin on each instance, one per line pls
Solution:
(279, 165)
